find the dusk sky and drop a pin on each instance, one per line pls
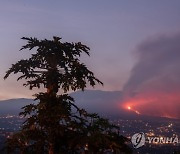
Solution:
(119, 33)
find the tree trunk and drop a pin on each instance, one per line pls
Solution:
(51, 149)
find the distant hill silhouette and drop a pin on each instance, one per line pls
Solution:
(13, 106)
(96, 101)
(92, 100)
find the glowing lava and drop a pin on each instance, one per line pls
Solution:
(130, 108)
(137, 112)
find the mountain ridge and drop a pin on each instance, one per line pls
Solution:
(94, 101)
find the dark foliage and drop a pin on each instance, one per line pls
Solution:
(55, 124)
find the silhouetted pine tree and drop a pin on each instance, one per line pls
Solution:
(55, 124)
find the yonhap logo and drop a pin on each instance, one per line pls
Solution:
(138, 140)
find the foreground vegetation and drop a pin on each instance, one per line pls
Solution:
(55, 124)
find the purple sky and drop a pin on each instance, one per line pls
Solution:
(112, 29)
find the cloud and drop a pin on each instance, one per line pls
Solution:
(154, 84)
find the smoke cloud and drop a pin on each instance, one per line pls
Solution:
(154, 85)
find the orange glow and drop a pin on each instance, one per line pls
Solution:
(137, 112)
(132, 109)
(154, 104)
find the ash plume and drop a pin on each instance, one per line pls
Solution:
(154, 84)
